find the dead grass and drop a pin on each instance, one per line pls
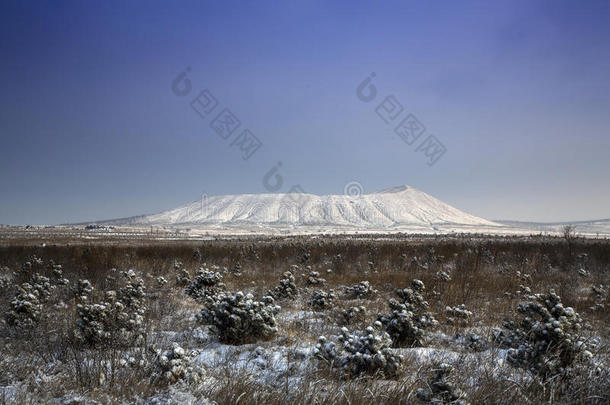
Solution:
(482, 271)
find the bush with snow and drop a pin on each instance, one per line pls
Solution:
(442, 389)
(26, 308)
(457, 314)
(361, 290)
(353, 314)
(206, 283)
(409, 319)
(287, 289)
(83, 290)
(118, 319)
(599, 293)
(33, 263)
(321, 300)
(547, 339)
(314, 279)
(5, 283)
(239, 318)
(183, 277)
(59, 275)
(175, 365)
(361, 352)
(473, 341)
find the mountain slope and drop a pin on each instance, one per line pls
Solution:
(401, 206)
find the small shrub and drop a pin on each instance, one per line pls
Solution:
(206, 283)
(442, 390)
(118, 319)
(58, 275)
(361, 290)
(458, 314)
(83, 290)
(362, 352)
(408, 321)
(26, 309)
(547, 340)
(239, 318)
(175, 365)
(353, 314)
(314, 279)
(321, 300)
(474, 342)
(183, 277)
(287, 289)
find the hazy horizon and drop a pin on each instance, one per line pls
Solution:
(96, 122)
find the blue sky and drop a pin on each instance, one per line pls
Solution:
(518, 92)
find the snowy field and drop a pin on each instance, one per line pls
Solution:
(380, 319)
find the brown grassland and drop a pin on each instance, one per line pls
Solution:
(46, 362)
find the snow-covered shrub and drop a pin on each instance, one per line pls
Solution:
(134, 291)
(206, 283)
(321, 300)
(473, 341)
(361, 290)
(304, 256)
(287, 289)
(458, 314)
(32, 264)
(408, 321)
(353, 314)
(59, 276)
(524, 290)
(183, 277)
(236, 269)
(27, 305)
(5, 278)
(599, 293)
(83, 290)
(118, 319)
(5, 282)
(547, 340)
(315, 279)
(361, 352)
(25, 308)
(174, 365)
(524, 277)
(161, 281)
(442, 390)
(42, 286)
(239, 318)
(412, 297)
(442, 276)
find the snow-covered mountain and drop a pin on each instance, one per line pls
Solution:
(395, 208)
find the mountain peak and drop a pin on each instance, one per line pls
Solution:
(397, 189)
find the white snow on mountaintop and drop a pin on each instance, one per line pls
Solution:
(396, 207)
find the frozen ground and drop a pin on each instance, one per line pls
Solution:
(47, 360)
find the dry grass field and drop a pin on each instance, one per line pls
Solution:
(191, 321)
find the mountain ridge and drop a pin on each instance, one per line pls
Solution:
(389, 208)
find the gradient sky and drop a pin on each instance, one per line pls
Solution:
(517, 91)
